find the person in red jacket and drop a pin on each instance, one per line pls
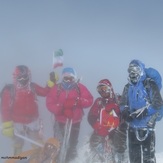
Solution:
(104, 117)
(19, 108)
(66, 100)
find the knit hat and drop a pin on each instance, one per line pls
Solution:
(68, 71)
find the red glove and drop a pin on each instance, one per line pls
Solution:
(100, 129)
(68, 113)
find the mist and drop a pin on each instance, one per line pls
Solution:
(98, 39)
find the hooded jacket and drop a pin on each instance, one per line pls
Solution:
(20, 105)
(58, 96)
(145, 93)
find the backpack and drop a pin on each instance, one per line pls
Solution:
(11, 88)
(155, 76)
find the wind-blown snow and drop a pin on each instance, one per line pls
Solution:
(84, 153)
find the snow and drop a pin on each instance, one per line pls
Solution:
(159, 157)
(84, 155)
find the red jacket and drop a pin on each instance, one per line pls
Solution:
(22, 107)
(58, 96)
(98, 106)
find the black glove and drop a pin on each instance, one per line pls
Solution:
(126, 115)
(52, 76)
(140, 114)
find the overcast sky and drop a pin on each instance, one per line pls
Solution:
(98, 37)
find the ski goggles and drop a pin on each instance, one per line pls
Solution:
(22, 78)
(133, 68)
(104, 88)
(68, 79)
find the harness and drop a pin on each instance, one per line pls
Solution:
(147, 100)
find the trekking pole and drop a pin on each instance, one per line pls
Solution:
(65, 143)
(27, 139)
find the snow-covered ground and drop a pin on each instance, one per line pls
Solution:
(84, 152)
(159, 157)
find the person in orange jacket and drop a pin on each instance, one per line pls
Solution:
(104, 117)
(19, 107)
(66, 100)
(46, 154)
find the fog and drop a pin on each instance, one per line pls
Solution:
(98, 37)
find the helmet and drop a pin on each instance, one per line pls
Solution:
(68, 77)
(22, 75)
(135, 72)
(105, 89)
(51, 147)
(54, 142)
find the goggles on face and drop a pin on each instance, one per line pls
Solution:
(103, 88)
(68, 79)
(23, 77)
(134, 69)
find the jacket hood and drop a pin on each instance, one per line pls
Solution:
(142, 66)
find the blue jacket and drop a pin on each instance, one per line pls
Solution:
(145, 93)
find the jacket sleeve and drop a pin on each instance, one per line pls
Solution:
(6, 106)
(86, 97)
(41, 91)
(93, 114)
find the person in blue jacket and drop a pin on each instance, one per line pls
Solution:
(141, 106)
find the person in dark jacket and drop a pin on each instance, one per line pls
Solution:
(141, 106)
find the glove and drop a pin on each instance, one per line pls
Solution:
(100, 129)
(53, 79)
(126, 115)
(68, 113)
(8, 129)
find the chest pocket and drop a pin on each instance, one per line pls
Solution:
(137, 96)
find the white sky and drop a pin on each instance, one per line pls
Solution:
(98, 37)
